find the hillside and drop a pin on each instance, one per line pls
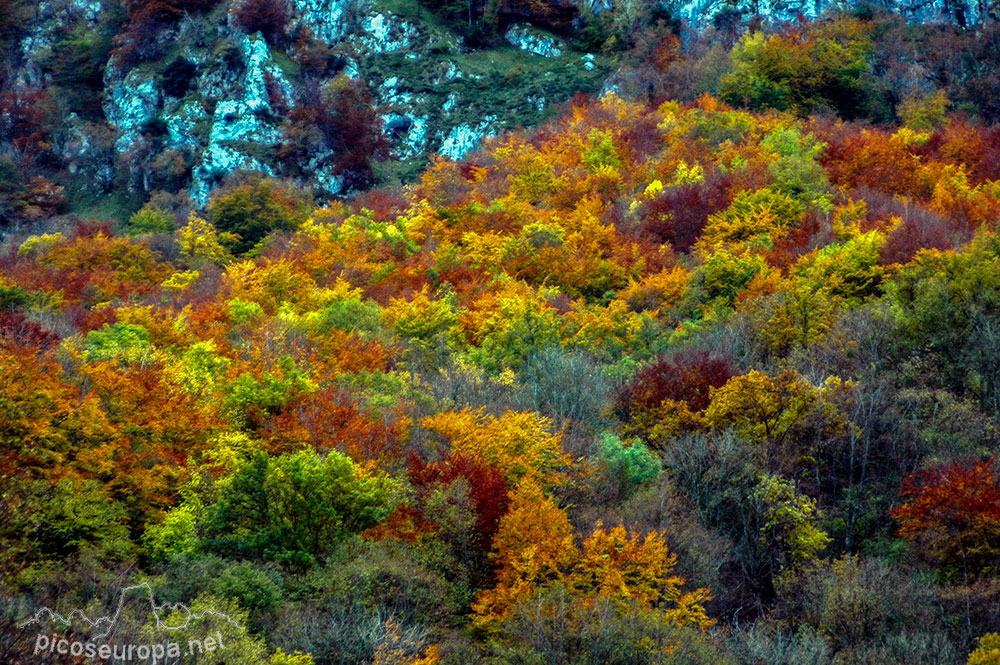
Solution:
(736, 332)
(161, 96)
(107, 105)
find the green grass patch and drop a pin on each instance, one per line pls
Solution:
(90, 203)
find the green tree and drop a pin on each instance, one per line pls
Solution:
(294, 508)
(848, 270)
(823, 65)
(631, 466)
(209, 617)
(124, 342)
(600, 152)
(150, 220)
(71, 516)
(248, 398)
(947, 308)
(797, 171)
(789, 528)
(253, 210)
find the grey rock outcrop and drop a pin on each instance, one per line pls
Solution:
(329, 20)
(244, 125)
(534, 41)
(384, 33)
(702, 13)
(463, 139)
(216, 100)
(134, 101)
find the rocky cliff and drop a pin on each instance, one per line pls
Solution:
(219, 98)
(700, 13)
(206, 96)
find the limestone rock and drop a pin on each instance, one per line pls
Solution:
(383, 33)
(534, 41)
(464, 138)
(133, 101)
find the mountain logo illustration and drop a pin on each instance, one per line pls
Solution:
(107, 623)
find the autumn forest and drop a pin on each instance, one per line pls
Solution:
(702, 370)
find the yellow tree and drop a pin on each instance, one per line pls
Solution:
(988, 651)
(420, 317)
(200, 243)
(535, 548)
(761, 407)
(785, 414)
(790, 530)
(617, 565)
(796, 316)
(518, 443)
(533, 545)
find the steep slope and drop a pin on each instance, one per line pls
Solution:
(184, 102)
(106, 104)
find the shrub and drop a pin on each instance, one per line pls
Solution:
(413, 582)
(253, 210)
(555, 627)
(147, 20)
(176, 78)
(687, 375)
(269, 17)
(767, 644)
(864, 607)
(297, 658)
(337, 633)
(27, 120)
(339, 117)
(77, 63)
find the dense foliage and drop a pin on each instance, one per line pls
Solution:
(701, 380)
(58, 151)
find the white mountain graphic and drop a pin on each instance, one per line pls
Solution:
(107, 623)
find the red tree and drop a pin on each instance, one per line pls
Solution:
(487, 490)
(952, 516)
(686, 375)
(679, 214)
